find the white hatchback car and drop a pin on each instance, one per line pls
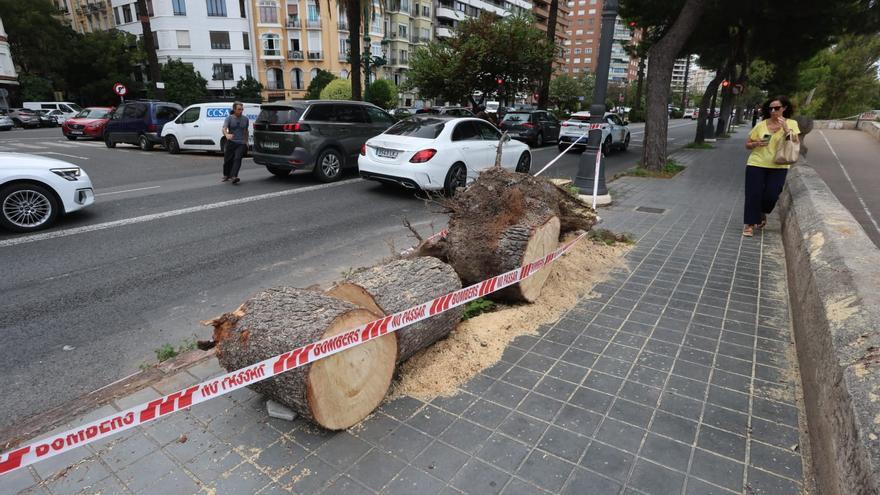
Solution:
(434, 153)
(615, 132)
(35, 190)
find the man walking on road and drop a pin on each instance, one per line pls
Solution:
(235, 128)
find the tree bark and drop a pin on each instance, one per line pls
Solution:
(353, 14)
(662, 56)
(544, 94)
(503, 221)
(638, 104)
(392, 287)
(335, 392)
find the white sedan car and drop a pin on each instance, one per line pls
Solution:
(438, 153)
(35, 190)
(615, 132)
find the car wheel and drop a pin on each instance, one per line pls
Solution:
(328, 166)
(108, 140)
(606, 146)
(525, 163)
(172, 145)
(456, 179)
(278, 172)
(539, 140)
(144, 144)
(27, 207)
(72, 138)
(626, 142)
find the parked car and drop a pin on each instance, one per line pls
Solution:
(451, 111)
(532, 126)
(200, 127)
(89, 123)
(492, 106)
(6, 122)
(438, 153)
(320, 136)
(22, 117)
(139, 123)
(65, 107)
(615, 132)
(50, 118)
(35, 190)
(403, 112)
(691, 113)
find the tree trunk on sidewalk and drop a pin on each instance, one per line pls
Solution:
(503, 221)
(662, 56)
(702, 119)
(335, 392)
(544, 94)
(392, 287)
(641, 80)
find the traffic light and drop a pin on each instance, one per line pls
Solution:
(633, 24)
(725, 83)
(500, 81)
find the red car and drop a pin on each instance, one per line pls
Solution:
(89, 123)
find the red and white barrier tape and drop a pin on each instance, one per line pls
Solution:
(221, 385)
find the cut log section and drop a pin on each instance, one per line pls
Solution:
(504, 220)
(335, 392)
(400, 285)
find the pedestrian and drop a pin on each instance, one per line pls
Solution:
(764, 177)
(235, 129)
(755, 113)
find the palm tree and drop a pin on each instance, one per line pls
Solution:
(359, 13)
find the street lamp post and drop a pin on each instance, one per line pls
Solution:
(585, 180)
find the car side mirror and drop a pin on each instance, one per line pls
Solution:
(625, 122)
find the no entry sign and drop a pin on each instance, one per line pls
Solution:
(120, 89)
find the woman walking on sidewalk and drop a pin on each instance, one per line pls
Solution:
(235, 129)
(764, 177)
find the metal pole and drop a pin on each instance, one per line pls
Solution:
(585, 181)
(222, 77)
(684, 94)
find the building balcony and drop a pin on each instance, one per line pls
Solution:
(316, 55)
(313, 23)
(274, 85)
(342, 25)
(271, 53)
(295, 55)
(449, 13)
(294, 23)
(399, 37)
(444, 32)
(392, 60)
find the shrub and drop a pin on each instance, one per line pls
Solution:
(382, 93)
(319, 82)
(337, 89)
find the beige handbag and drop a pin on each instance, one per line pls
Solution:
(788, 151)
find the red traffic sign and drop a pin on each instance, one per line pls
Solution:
(120, 89)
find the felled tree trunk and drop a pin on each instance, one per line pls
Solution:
(402, 284)
(335, 392)
(504, 220)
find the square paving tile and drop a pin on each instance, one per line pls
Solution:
(545, 470)
(479, 477)
(376, 469)
(718, 470)
(503, 452)
(608, 460)
(563, 443)
(666, 452)
(655, 479)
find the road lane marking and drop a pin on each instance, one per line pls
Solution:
(58, 144)
(167, 214)
(25, 145)
(851, 184)
(60, 154)
(127, 190)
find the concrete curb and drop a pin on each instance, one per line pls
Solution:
(834, 277)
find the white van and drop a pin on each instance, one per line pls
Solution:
(200, 127)
(65, 107)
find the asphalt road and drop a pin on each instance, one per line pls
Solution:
(167, 245)
(847, 162)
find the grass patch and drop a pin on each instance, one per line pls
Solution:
(699, 146)
(477, 307)
(573, 190)
(167, 351)
(668, 171)
(609, 238)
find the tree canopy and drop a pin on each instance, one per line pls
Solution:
(481, 51)
(183, 84)
(318, 83)
(337, 89)
(382, 93)
(248, 89)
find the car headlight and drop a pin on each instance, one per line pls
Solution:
(93, 126)
(70, 173)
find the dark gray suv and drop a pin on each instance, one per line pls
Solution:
(321, 136)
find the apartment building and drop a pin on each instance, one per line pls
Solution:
(214, 36)
(541, 11)
(86, 16)
(408, 26)
(296, 38)
(450, 12)
(582, 47)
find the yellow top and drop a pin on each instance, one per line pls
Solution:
(762, 156)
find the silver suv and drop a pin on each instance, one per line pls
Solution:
(319, 136)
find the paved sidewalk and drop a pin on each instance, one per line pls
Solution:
(676, 378)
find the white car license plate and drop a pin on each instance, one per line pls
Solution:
(270, 145)
(386, 153)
